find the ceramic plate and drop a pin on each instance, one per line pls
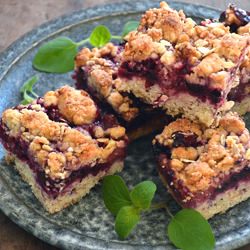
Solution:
(88, 224)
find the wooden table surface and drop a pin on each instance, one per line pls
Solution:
(20, 16)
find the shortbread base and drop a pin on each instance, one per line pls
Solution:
(242, 107)
(183, 104)
(76, 191)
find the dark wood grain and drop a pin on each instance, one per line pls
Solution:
(18, 17)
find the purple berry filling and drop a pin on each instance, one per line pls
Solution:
(187, 139)
(171, 82)
(242, 15)
(239, 93)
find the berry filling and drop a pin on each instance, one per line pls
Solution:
(242, 15)
(172, 82)
(239, 93)
(185, 139)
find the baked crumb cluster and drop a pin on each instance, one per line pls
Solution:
(238, 21)
(100, 66)
(75, 105)
(201, 157)
(210, 50)
(63, 147)
(239, 24)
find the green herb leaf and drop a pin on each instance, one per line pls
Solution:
(126, 220)
(56, 56)
(115, 193)
(142, 194)
(28, 87)
(27, 98)
(130, 26)
(188, 230)
(100, 36)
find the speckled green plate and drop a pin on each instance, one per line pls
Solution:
(87, 224)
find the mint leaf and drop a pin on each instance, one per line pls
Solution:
(126, 220)
(27, 98)
(142, 194)
(115, 193)
(130, 26)
(188, 230)
(56, 56)
(28, 87)
(100, 36)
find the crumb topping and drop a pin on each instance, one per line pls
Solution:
(167, 23)
(87, 56)
(75, 105)
(244, 29)
(55, 146)
(212, 152)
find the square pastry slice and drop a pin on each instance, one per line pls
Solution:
(62, 145)
(206, 169)
(239, 22)
(96, 72)
(185, 68)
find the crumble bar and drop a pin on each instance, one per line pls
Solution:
(62, 145)
(96, 72)
(239, 22)
(206, 169)
(185, 68)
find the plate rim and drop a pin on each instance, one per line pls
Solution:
(10, 56)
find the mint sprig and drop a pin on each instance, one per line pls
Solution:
(188, 229)
(100, 36)
(27, 87)
(115, 193)
(142, 194)
(126, 220)
(130, 26)
(126, 206)
(57, 55)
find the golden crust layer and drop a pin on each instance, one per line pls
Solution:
(198, 167)
(58, 148)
